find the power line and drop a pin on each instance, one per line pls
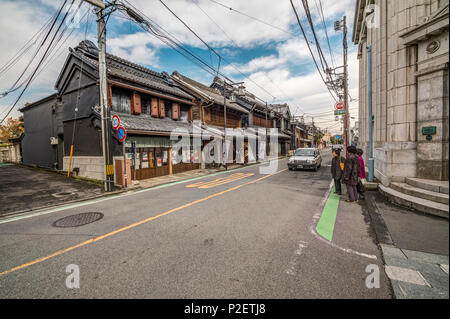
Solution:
(209, 47)
(54, 54)
(171, 41)
(24, 49)
(320, 9)
(189, 28)
(254, 18)
(140, 21)
(323, 60)
(48, 27)
(310, 50)
(45, 53)
(237, 46)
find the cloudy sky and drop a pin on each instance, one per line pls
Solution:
(273, 61)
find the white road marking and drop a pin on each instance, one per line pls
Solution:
(45, 211)
(406, 275)
(444, 267)
(295, 259)
(316, 218)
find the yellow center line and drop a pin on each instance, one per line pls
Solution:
(231, 177)
(225, 181)
(93, 240)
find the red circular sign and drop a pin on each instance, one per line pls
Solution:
(121, 134)
(339, 106)
(115, 121)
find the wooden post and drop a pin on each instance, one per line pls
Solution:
(70, 160)
(170, 161)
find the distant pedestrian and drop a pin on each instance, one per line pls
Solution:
(337, 165)
(360, 187)
(351, 174)
(360, 152)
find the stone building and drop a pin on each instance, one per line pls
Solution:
(409, 43)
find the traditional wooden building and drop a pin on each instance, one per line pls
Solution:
(150, 105)
(209, 109)
(281, 117)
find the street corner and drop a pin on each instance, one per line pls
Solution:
(29, 189)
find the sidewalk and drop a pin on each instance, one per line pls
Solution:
(415, 249)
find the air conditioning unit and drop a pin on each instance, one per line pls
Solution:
(53, 140)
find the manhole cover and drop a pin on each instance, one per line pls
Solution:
(78, 220)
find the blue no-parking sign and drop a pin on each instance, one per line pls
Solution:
(121, 134)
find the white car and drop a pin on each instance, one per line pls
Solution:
(305, 158)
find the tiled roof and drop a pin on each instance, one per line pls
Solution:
(144, 122)
(124, 69)
(205, 92)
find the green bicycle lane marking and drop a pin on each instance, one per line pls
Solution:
(325, 226)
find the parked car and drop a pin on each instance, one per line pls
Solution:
(338, 146)
(305, 158)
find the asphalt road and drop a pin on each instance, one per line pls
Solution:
(242, 236)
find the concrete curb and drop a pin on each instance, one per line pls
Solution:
(370, 186)
(382, 234)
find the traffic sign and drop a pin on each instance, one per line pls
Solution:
(115, 122)
(339, 106)
(121, 134)
(339, 112)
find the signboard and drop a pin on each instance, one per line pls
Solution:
(339, 105)
(338, 137)
(115, 121)
(429, 130)
(121, 134)
(339, 112)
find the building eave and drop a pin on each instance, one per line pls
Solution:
(358, 21)
(434, 26)
(38, 102)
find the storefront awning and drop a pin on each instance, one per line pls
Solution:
(150, 141)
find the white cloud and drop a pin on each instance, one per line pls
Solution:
(306, 90)
(134, 47)
(13, 37)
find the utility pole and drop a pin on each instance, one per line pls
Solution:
(347, 115)
(224, 125)
(232, 84)
(266, 131)
(103, 88)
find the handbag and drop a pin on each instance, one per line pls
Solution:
(360, 187)
(342, 164)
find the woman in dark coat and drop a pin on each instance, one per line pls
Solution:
(352, 171)
(336, 171)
